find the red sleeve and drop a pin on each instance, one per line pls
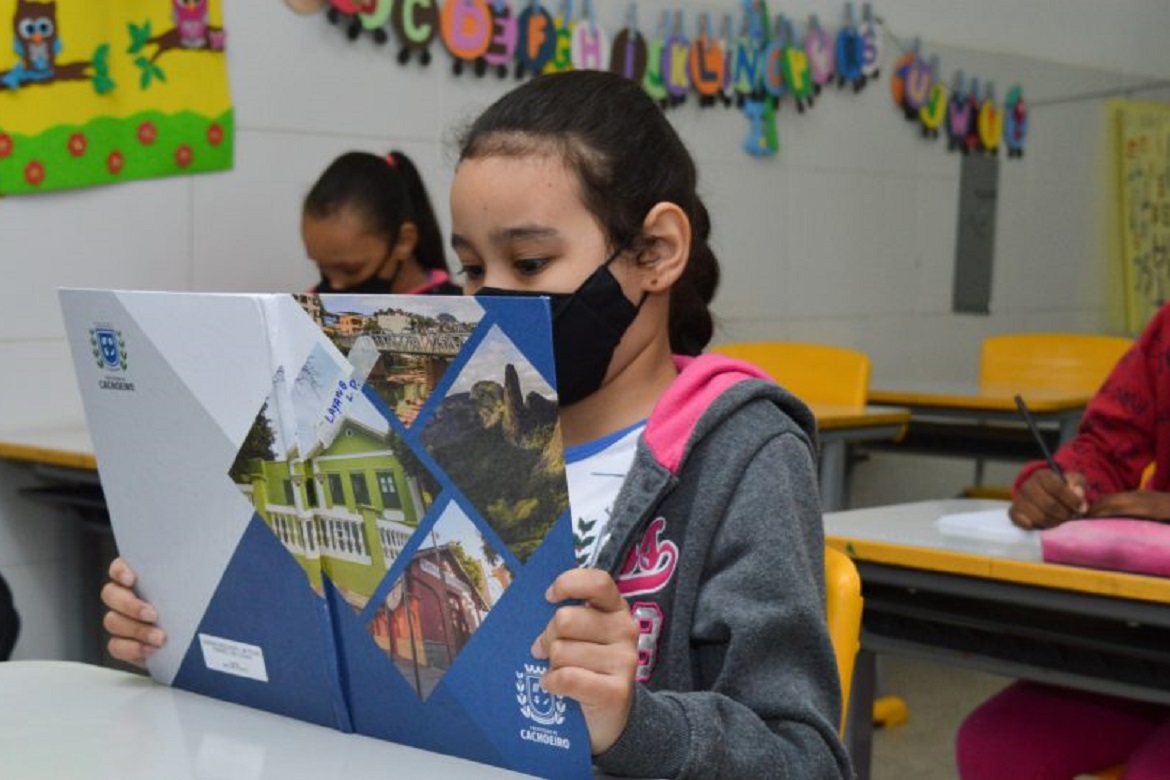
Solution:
(1116, 438)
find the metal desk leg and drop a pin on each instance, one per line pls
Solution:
(833, 464)
(859, 724)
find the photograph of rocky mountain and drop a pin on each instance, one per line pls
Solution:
(496, 434)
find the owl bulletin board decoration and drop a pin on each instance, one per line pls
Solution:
(38, 46)
(66, 121)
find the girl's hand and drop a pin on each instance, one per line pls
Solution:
(1135, 503)
(1045, 500)
(130, 621)
(592, 652)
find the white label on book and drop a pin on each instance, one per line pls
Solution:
(231, 657)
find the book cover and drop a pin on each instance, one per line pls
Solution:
(345, 508)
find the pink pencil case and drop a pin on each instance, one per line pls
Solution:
(1118, 543)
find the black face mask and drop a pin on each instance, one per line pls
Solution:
(371, 285)
(586, 327)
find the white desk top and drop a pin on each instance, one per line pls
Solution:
(905, 535)
(914, 525)
(66, 721)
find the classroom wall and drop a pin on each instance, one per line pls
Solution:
(847, 236)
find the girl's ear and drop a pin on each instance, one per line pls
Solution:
(407, 242)
(667, 231)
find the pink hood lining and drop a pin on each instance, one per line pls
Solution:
(700, 381)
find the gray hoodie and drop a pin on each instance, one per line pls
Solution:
(717, 544)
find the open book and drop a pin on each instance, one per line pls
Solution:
(345, 508)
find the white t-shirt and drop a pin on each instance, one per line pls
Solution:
(595, 472)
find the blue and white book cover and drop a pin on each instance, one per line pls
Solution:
(346, 508)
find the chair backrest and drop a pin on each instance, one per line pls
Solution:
(1059, 361)
(9, 622)
(814, 373)
(843, 604)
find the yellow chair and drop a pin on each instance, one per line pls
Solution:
(814, 373)
(843, 604)
(1043, 361)
(1059, 361)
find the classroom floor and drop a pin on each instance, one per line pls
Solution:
(938, 698)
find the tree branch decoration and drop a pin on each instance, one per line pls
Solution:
(192, 32)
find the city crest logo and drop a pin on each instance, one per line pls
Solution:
(109, 352)
(109, 348)
(541, 707)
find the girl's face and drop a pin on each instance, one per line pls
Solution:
(518, 223)
(344, 248)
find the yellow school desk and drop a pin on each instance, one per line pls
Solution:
(70, 721)
(996, 607)
(66, 446)
(840, 426)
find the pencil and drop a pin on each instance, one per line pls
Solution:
(1052, 464)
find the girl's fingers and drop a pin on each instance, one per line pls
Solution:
(594, 586)
(124, 601)
(121, 627)
(615, 660)
(129, 651)
(591, 689)
(122, 574)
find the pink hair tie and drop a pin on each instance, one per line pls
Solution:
(391, 160)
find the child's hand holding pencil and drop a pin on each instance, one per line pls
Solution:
(1049, 496)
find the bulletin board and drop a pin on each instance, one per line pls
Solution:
(100, 92)
(1143, 168)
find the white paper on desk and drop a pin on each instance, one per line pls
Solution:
(990, 524)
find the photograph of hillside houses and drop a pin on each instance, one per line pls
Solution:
(416, 340)
(501, 410)
(453, 580)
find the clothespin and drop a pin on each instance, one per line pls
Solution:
(989, 91)
(705, 25)
(778, 33)
(849, 23)
(814, 24)
(588, 15)
(632, 17)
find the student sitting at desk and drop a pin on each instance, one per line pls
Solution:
(698, 471)
(1038, 731)
(369, 226)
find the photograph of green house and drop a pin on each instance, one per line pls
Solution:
(348, 506)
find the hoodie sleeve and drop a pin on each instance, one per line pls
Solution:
(768, 698)
(1116, 439)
